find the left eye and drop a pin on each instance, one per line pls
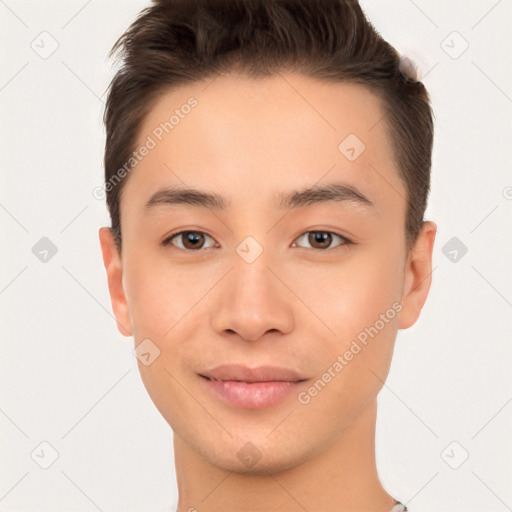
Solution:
(194, 240)
(323, 239)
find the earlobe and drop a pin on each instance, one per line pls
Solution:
(417, 276)
(114, 270)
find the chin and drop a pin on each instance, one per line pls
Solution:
(254, 457)
(263, 467)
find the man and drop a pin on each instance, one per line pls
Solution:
(267, 170)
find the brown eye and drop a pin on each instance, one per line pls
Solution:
(190, 240)
(195, 240)
(322, 240)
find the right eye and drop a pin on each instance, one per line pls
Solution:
(187, 240)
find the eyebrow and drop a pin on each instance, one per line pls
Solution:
(187, 196)
(333, 192)
(339, 192)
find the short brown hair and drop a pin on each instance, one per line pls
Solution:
(174, 42)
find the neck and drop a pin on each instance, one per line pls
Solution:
(342, 478)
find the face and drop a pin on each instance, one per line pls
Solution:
(265, 274)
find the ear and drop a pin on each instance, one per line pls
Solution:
(113, 266)
(417, 276)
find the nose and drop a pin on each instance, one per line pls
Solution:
(251, 301)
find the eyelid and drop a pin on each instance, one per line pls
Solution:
(346, 241)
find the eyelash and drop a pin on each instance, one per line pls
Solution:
(345, 240)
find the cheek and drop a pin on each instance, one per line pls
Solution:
(352, 295)
(158, 295)
(361, 307)
(359, 301)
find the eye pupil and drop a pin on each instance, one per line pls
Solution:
(320, 236)
(192, 237)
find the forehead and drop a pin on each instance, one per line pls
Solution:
(249, 138)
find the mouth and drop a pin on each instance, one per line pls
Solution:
(251, 388)
(249, 381)
(240, 373)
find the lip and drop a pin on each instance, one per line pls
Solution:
(251, 388)
(250, 375)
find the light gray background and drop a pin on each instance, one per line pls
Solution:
(68, 378)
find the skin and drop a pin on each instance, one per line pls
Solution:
(298, 305)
